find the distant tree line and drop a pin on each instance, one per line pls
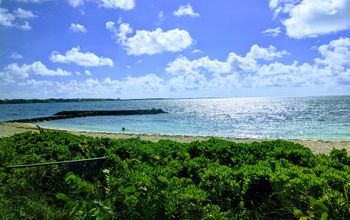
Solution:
(52, 100)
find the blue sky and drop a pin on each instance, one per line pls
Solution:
(173, 48)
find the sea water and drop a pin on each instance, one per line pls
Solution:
(326, 118)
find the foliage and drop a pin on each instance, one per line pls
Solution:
(212, 179)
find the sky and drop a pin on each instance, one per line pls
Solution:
(173, 48)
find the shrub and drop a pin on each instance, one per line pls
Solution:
(214, 179)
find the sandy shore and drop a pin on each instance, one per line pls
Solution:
(317, 146)
(8, 129)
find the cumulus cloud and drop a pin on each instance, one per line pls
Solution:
(196, 51)
(149, 85)
(185, 10)
(282, 6)
(112, 4)
(21, 13)
(248, 71)
(335, 53)
(270, 53)
(16, 56)
(260, 68)
(150, 42)
(86, 59)
(233, 62)
(8, 19)
(76, 3)
(121, 32)
(205, 73)
(25, 26)
(36, 83)
(110, 25)
(77, 28)
(272, 32)
(122, 4)
(183, 65)
(161, 15)
(311, 18)
(16, 72)
(33, 1)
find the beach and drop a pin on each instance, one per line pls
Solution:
(317, 146)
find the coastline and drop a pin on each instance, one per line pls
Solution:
(317, 146)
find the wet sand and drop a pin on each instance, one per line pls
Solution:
(317, 146)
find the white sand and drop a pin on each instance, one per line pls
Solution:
(317, 146)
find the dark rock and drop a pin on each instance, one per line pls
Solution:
(78, 114)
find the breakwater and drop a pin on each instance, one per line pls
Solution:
(87, 113)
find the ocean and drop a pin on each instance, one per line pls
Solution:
(309, 118)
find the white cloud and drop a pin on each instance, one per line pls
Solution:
(33, 1)
(188, 82)
(311, 18)
(183, 65)
(149, 85)
(76, 3)
(119, 34)
(14, 72)
(112, 4)
(336, 53)
(21, 13)
(273, 4)
(8, 19)
(256, 72)
(272, 32)
(122, 4)
(196, 51)
(233, 62)
(36, 83)
(269, 53)
(77, 28)
(185, 10)
(86, 59)
(110, 25)
(282, 6)
(16, 56)
(204, 74)
(36, 68)
(161, 16)
(150, 42)
(25, 26)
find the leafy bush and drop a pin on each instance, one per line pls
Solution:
(214, 179)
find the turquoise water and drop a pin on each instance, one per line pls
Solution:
(326, 118)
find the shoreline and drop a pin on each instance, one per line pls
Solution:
(317, 146)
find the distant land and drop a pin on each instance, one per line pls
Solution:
(52, 100)
(56, 100)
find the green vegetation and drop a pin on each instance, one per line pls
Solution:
(213, 179)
